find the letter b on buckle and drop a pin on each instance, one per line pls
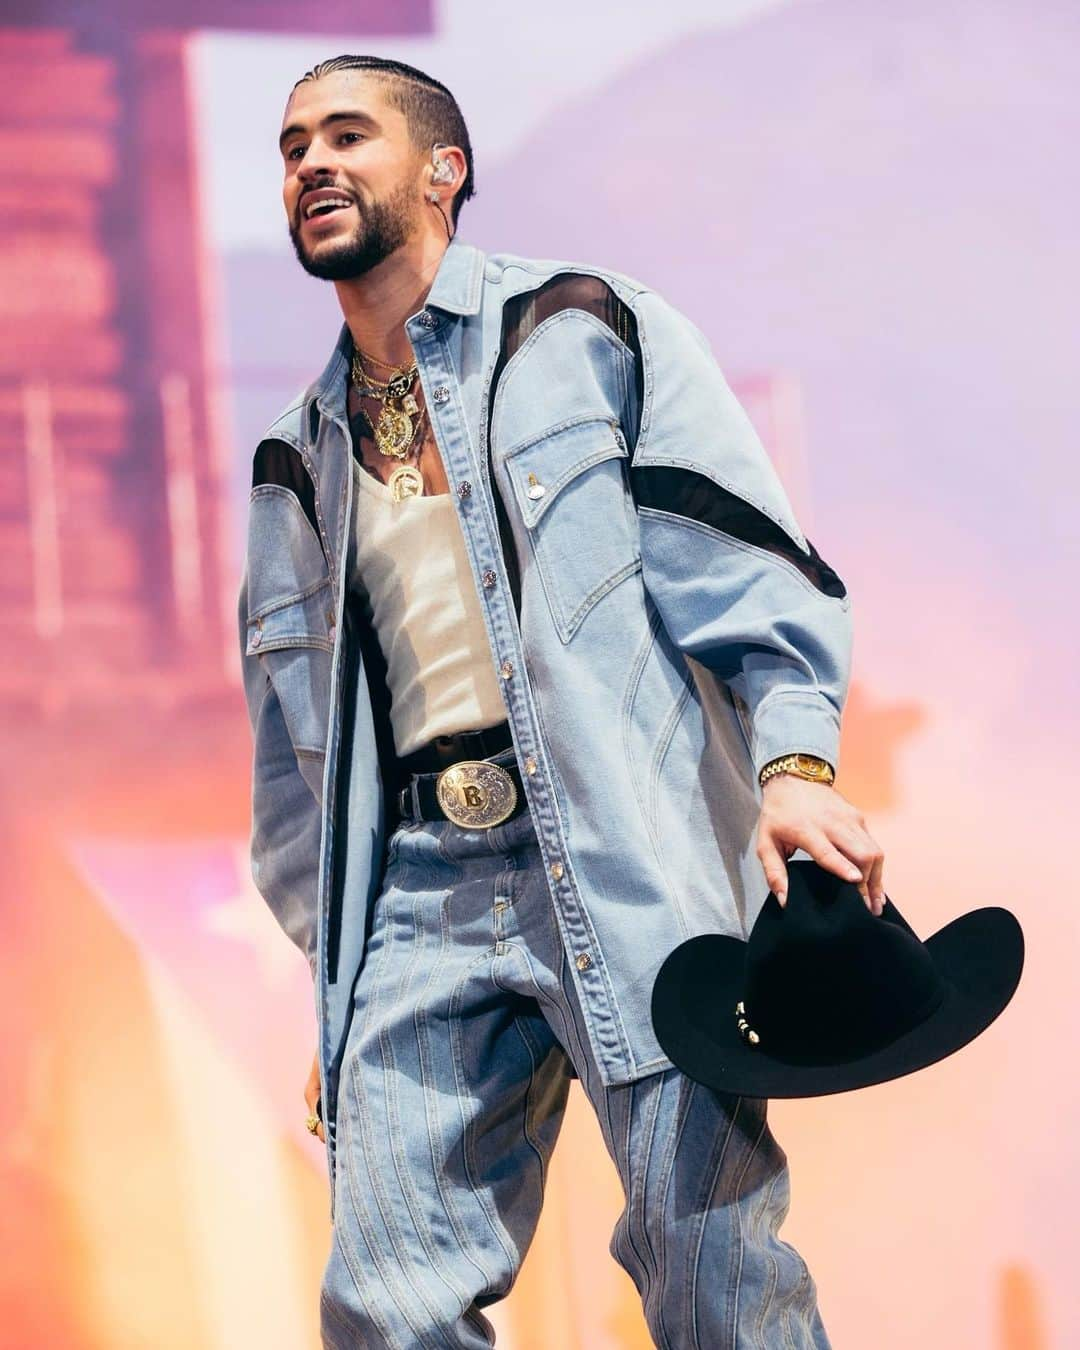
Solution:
(475, 793)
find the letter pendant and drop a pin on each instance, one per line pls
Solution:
(405, 482)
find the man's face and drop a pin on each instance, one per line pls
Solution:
(341, 141)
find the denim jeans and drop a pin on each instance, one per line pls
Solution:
(464, 1038)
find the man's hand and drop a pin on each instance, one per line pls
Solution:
(796, 813)
(311, 1093)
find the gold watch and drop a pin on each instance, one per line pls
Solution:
(811, 767)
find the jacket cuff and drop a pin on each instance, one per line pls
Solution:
(796, 721)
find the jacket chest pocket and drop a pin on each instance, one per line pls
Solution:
(570, 489)
(290, 625)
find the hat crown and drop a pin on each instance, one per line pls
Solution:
(827, 981)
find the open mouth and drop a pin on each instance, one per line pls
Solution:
(329, 206)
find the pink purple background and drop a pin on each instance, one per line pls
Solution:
(870, 210)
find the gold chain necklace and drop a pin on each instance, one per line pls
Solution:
(374, 360)
(395, 429)
(395, 432)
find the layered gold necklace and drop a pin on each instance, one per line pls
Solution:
(396, 429)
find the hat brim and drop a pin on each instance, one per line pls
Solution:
(979, 956)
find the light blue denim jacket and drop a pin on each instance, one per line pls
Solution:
(676, 632)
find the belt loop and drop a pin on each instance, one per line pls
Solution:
(406, 797)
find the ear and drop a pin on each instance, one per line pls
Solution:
(452, 176)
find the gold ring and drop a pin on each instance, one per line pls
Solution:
(312, 1123)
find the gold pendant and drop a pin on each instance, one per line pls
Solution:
(394, 431)
(400, 383)
(405, 482)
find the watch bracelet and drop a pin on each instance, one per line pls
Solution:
(768, 771)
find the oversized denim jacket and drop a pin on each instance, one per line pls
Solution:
(661, 626)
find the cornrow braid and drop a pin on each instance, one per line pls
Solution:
(430, 109)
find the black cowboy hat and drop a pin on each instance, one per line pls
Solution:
(825, 996)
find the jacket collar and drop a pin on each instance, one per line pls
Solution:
(459, 279)
(456, 288)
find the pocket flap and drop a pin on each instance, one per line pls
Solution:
(540, 469)
(304, 620)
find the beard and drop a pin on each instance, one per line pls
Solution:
(382, 228)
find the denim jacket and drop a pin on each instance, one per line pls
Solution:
(661, 628)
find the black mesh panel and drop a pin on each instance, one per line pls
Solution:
(277, 462)
(686, 493)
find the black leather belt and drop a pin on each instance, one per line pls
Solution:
(446, 750)
(418, 798)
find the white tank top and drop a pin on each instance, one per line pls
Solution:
(410, 565)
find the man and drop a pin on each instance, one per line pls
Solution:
(522, 628)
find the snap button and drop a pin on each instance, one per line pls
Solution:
(506, 669)
(464, 488)
(583, 961)
(441, 394)
(536, 488)
(556, 870)
(530, 764)
(428, 319)
(488, 578)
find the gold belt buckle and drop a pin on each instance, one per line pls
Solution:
(475, 793)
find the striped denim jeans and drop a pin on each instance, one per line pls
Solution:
(465, 1035)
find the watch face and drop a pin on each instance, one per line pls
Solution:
(809, 764)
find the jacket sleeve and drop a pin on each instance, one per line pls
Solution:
(737, 584)
(285, 819)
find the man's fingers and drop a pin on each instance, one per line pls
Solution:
(838, 840)
(772, 860)
(853, 855)
(824, 851)
(877, 885)
(312, 1091)
(863, 849)
(858, 848)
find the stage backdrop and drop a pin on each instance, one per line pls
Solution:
(870, 210)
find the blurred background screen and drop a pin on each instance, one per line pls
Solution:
(870, 209)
